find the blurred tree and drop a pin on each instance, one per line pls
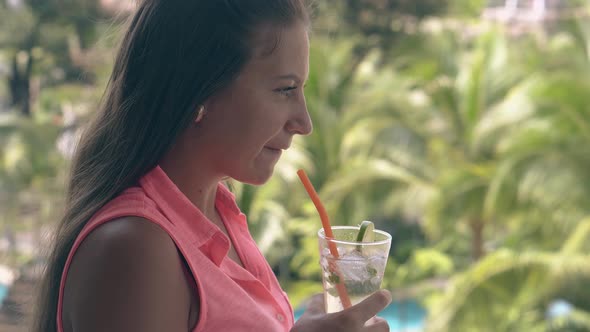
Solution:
(510, 291)
(45, 38)
(31, 176)
(540, 252)
(57, 66)
(477, 142)
(421, 135)
(373, 24)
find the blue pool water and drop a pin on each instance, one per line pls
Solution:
(402, 316)
(3, 292)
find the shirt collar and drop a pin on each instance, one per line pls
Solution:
(181, 212)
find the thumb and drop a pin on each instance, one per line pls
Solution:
(370, 306)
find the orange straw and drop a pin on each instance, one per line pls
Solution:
(328, 232)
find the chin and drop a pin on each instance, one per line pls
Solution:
(256, 178)
(258, 181)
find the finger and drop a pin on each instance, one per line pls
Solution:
(370, 306)
(375, 320)
(315, 305)
(378, 325)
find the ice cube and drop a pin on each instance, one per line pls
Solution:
(378, 263)
(353, 266)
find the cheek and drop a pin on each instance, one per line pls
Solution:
(239, 138)
(244, 122)
(255, 124)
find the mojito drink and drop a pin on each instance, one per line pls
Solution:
(360, 265)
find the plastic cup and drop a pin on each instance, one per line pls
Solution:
(359, 266)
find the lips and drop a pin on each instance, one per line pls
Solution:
(273, 151)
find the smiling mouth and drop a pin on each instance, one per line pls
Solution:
(274, 152)
(278, 148)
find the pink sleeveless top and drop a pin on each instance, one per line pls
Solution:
(233, 298)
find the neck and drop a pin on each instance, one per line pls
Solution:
(200, 187)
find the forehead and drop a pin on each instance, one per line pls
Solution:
(280, 51)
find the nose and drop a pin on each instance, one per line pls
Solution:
(300, 121)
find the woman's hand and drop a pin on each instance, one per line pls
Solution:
(352, 319)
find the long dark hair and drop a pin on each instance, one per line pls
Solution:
(174, 55)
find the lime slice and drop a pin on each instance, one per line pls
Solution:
(366, 232)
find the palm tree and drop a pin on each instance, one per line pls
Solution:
(544, 161)
(427, 136)
(510, 291)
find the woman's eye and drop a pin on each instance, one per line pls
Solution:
(287, 91)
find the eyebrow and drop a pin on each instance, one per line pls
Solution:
(293, 77)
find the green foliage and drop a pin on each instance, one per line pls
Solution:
(470, 147)
(300, 291)
(481, 145)
(507, 291)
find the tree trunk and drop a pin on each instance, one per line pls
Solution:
(20, 83)
(477, 242)
(22, 70)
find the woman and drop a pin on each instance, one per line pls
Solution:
(201, 91)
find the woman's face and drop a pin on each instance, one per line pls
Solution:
(248, 124)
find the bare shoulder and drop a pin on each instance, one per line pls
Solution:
(126, 276)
